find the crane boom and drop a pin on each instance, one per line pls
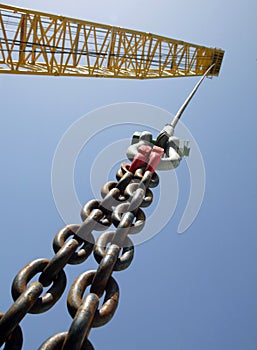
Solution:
(33, 42)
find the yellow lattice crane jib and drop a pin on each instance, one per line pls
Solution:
(33, 42)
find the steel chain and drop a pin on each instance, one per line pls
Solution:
(120, 206)
(27, 298)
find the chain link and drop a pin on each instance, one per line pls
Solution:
(121, 206)
(14, 339)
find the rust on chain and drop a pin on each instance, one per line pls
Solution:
(18, 310)
(54, 293)
(146, 179)
(93, 219)
(124, 260)
(148, 197)
(124, 180)
(138, 175)
(121, 220)
(114, 251)
(137, 199)
(56, 341)
(111, 199)
(105, 270)
(108, 308)
(108, 186)
(123, 170)
(58, 262)
(124, 226)
(15, 339)
(81, 324)
(84, 251)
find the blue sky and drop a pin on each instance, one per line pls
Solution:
(182, 292)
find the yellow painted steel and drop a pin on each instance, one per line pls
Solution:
(33, 42)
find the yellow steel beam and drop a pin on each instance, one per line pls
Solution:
(33, 42)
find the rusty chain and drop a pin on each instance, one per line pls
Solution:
(113, 250)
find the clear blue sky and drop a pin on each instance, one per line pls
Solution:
(188, 292)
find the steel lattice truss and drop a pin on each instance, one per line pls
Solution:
(32, 42)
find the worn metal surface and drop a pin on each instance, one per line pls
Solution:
(121, 206)
(85, 250)
(124, 260)
(53, 294)
(14, 340)
(56, 343)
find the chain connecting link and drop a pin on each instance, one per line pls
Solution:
(27, 297)
(121, 206)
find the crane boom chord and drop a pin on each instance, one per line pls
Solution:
(33, 42)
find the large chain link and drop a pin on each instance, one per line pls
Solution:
(121, 206)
